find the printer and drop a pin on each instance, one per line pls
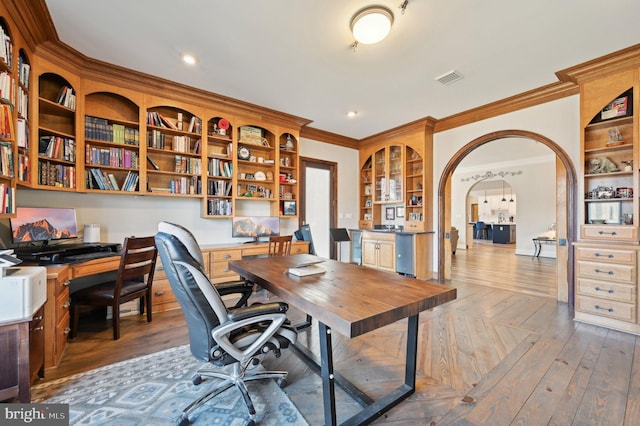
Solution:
(23, 290)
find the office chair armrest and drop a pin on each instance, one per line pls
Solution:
(242, 288)
(257, 309)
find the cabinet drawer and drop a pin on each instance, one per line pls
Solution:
(607, 272)
(299, 249)
(610, 232)
(252, 251)
(606, 308)
(607, 290)
(221, 269)
(162, 292)
(62, 304)
(226, 255)
(61, 334)
(605, 254)
(414, 226)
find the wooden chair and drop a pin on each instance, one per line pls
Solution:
(280, 245)
(138, 260)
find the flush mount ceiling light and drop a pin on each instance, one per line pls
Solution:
(189, 59)
(371, 24)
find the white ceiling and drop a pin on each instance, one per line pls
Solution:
(294, 56)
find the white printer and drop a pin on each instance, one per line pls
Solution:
(22, 292)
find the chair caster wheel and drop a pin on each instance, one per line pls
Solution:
(282, 382)
(196, 379)
(183, 421)
(248, 423)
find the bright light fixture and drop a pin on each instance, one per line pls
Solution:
(371, 24)
(352, 114)
(189, 59)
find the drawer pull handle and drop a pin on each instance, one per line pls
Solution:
(603, 272)
(38, 318)
(66, 304)
(608, 256)
(607, 233)
(66, 330)
(226, 270)
(227, 256)
(66, 283)
(159, 293)
(601, 289)
(38, 328)
(604, 309)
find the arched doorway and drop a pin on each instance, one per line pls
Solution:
(569, 181)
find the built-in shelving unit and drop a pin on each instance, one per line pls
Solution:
(256, 160)
(414, 176)
(366, 194)
(174, 143)
(7, 128)
(23, 166)
(288, 176)
(220, 169)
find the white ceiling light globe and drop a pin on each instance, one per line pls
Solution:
(371, 25)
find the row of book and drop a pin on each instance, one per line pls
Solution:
(24, 69)
(188, 165)
(183, 185)
(66, 97)
(101, 130)
(220, 168)
(157, 139)
(99, 179)
(6, 122)
(158, 120)
(6, 87)
(55, 174)
(6, 159)
(221, 188)
(22, 103)
(219, 207)
(57, 147)
(23, 167)
(114, 157)
(6, 48)
(8, 201)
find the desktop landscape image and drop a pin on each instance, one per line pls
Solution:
(43, 224)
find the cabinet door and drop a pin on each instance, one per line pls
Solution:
(387, 256)
(370, 253)
(380, 177)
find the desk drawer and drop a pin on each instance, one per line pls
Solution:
(607, 272)
(162, 292)
(607, 308)
(221, 269)
(62, 303)
(299, 249)
(61, 333)
(606, 254)
(222, 256)
(610, 232)
(607, 290)
(252, 251)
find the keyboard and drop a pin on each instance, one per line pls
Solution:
(89, 256)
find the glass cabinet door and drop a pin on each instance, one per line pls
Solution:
(394, 192)
(380, 176)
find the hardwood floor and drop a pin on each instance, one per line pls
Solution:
(491, 357)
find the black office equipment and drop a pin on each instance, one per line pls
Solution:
(304, 234)
(66, 253)
(339, 235)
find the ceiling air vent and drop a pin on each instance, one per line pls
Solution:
(449, 77)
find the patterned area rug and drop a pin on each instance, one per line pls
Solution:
(154, 389)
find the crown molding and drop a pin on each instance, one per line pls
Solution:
(328, 137)
(603, 66)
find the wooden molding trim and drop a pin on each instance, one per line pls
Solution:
(424, 125)
(612, 63)
(328, 137)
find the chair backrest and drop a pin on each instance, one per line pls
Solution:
(305, 231)
(280, 245)
(201, 304)
(138, 259)
(186, 238)
(479, 225)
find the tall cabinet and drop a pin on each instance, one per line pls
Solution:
(606, 255)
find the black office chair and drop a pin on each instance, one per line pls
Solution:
(238, 338)
(239, 288)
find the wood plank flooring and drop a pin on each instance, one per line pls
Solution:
(503, 353)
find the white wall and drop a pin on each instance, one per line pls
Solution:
(121, 216)
(557, 120)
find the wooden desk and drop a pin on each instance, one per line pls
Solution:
(351, 300)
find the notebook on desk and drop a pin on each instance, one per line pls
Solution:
(311, 268)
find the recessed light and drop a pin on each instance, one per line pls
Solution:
(352, 114)
(189, 59)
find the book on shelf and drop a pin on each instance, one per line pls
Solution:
(153, 163)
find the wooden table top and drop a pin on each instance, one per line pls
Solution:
(350, 299)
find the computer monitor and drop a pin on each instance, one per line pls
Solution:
(255, 226)
(43, 224)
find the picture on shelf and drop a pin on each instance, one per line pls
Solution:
(400, 211)
(289, 208)
(390, 213)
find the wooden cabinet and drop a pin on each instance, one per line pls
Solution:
(256, 164)
(388, 166)
(379, 250)
(111, 143)
(288, 175)
(56, 314)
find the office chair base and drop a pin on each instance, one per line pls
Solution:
(230, 380)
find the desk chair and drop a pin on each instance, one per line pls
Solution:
(138, 259)
(237, 338)
(481, 231)
(239, 288)
(280, 245)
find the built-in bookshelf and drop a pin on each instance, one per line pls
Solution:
(366, 194)
(7, 128)
(414, 181)
(288, 176)
(22, 122)
(111, 143)
(174, 160)
(256, 164)
(219, 177)
(56, 133)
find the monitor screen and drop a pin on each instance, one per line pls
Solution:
(255, 226)
(41, 224)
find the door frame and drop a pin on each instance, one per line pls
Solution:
(570, 177)
(332, 167)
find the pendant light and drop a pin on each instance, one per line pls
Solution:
(511, 192)
(503, 199)
(485, 197)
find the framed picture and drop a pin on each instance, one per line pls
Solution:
(368, 203)
(604, 212)
(288, 208)
(400, 211)
(390, 213)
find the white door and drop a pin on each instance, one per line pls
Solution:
(318, 208)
